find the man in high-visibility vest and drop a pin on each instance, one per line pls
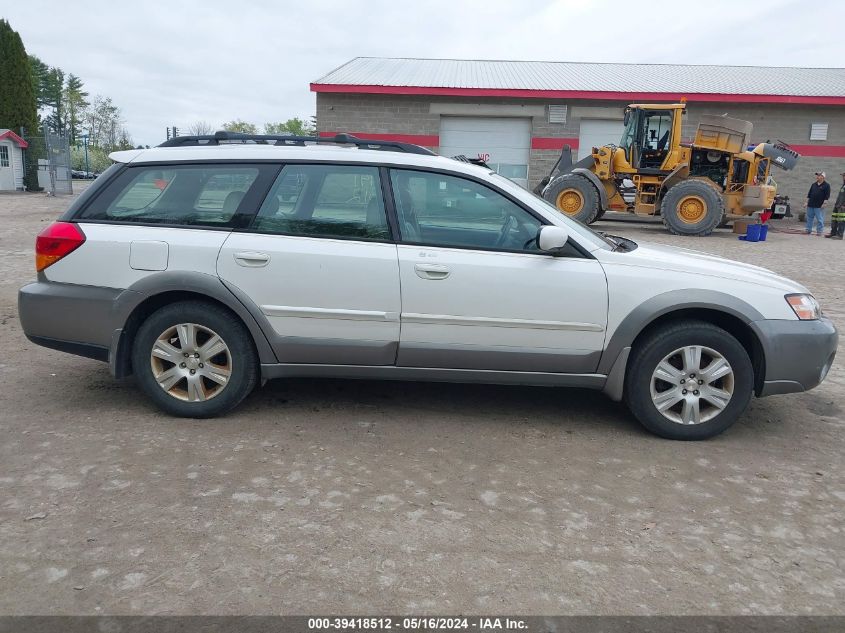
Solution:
(837, 226)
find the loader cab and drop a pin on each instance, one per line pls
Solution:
(648, 136)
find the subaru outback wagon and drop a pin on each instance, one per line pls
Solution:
(210, 264)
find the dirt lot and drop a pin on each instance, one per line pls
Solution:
(365, 497)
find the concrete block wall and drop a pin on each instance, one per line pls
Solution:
(376, 114)
(420, 115)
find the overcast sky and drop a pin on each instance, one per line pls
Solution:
(179, 61)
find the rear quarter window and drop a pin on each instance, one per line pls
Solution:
(205, 195)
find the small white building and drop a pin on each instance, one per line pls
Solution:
(11, 160)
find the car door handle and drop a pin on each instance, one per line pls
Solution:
(431, 271)
(252, 259)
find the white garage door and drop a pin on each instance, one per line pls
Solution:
(598, 132)
(503, 143)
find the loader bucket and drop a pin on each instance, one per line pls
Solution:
(562, 166)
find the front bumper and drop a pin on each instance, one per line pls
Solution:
(69, 317)
(798, 354)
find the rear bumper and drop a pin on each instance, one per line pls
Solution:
(798, 354)
(68, 317)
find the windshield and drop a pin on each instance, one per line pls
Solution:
(630, 131)
(583, 231)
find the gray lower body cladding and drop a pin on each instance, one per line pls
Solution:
(68, 317)
(89, 321)
(798, 353)
(429, 374)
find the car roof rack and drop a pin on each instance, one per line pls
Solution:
(472, 161)
(224, 137)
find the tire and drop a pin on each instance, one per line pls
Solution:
(195, 386)
(654, 358)
(692, 207)
(575, 197)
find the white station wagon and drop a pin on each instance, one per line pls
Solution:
(210, 264)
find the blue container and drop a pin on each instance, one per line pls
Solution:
(752, 233)
(764, 230)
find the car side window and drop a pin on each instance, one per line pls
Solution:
(207, 195)
(441, 210)
(334, 201)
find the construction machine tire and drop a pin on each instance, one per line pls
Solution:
(575, 197)
(692, 207)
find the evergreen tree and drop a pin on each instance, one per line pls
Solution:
(17, 96)
(74, 106)
(38, 71)
(48, 84)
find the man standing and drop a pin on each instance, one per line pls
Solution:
(837, 225)
(816, 197)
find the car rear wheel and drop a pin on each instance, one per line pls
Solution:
(688, 381)
(194, 359)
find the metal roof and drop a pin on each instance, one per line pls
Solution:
(452, 76)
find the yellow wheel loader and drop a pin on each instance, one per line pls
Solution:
(694, 187)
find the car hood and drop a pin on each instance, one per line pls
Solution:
(684, 260)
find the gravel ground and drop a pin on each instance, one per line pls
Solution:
(363, 497)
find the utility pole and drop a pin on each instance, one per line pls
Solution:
(84, 138)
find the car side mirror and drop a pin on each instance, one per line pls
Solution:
(551, 239)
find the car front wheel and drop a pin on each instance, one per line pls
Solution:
(688, 381)
(194, 359)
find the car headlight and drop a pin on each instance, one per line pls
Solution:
(805, 307)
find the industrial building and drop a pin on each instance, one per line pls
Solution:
(517, 115)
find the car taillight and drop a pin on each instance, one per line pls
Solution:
(56, 241)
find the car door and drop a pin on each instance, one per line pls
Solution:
(477, 293)
(320, 264)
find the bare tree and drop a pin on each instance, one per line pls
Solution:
(201, 128)
(103, 121)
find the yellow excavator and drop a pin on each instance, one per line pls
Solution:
(695, 187)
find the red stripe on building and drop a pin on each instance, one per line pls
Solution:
(549, 142)
(17, 139)
(601, 95)
(428, 140)
(826, 151)
(557, 143)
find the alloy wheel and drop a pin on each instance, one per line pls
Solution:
(191, 362)
(691, 385)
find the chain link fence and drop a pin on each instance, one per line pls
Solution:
(51, 153)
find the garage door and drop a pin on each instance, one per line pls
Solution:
(504, 143)
(598, 132)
